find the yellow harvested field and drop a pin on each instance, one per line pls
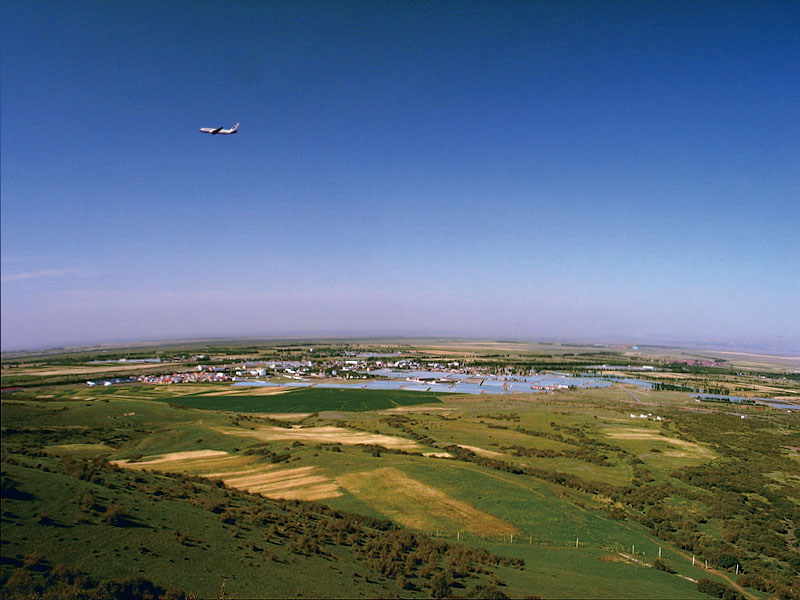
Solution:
(421, 408)
(282, 416)
(100, 369)
(795, 358)
(250, 391)
(690, 449)
(300, 483)
(481, 451)
(418, 505)
(172, 457)
(220, 474)
(269, 474)
(60, 449)
(323, 435)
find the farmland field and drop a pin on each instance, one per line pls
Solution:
(308, 400)
(571, 493)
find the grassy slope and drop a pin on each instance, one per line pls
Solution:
(212, 553)
(183, 533)
(552, 515)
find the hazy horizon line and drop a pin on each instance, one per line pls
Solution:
(784, 346)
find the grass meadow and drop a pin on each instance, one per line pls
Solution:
(471, 471)
(308, 400)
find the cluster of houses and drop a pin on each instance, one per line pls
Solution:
(188, 377)
(348, 367)
(699, 362)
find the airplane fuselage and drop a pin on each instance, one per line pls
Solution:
(220, 130)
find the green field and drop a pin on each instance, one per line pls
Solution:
(568, 482)
(309, 400)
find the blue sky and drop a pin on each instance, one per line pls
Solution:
(534, 169)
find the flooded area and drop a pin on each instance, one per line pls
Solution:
(771, 402)
(454, 383)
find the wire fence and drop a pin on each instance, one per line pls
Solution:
(643, 554)
(520, 538)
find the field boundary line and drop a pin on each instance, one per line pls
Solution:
(458, 465)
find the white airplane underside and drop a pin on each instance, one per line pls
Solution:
(220, 130)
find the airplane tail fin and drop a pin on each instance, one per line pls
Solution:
(235, 127)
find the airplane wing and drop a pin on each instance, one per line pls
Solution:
(233, 129)
(210, 130)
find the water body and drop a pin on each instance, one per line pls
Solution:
(469, 388)
(640, 382)
(781, 405)
(452, 383)
(385, 385)
(487, 383)
(344, 386)
(255, 383)
(416, 387)
(723, 397)
(396, 374)
(491, 384)
(768, 401)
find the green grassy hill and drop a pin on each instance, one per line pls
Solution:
(463, 480)
(194, 535)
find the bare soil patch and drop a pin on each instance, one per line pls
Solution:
(613, 558)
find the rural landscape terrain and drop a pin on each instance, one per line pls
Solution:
(369, 299)
(399, 468)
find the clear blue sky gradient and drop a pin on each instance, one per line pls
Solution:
(531, 169)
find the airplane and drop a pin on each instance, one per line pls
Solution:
(220, 130)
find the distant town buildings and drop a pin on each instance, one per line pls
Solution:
(189, 377)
